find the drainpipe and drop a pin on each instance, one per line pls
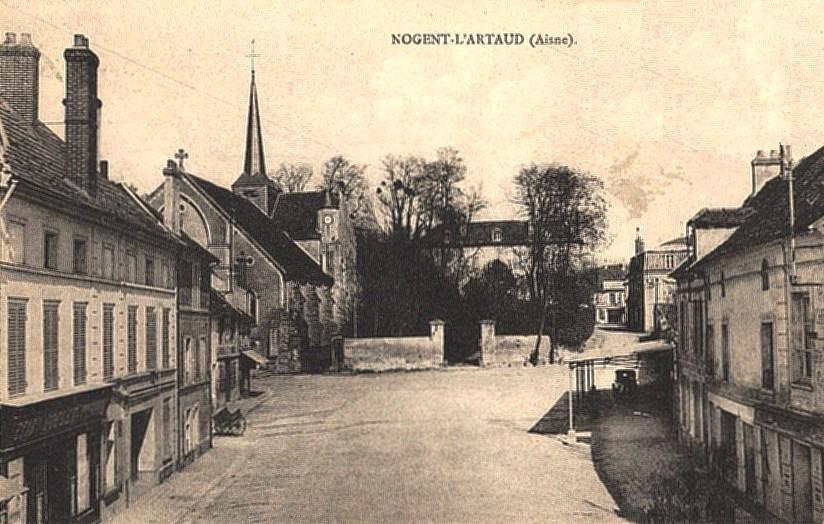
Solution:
(787, 174)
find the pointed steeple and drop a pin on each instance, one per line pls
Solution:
(253, 184)
(254, 163)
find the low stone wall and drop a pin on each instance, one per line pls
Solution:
(396, 353)
(509, 350)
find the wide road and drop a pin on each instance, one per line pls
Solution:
(435, 446)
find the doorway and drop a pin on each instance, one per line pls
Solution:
(49, 476)
(139, 432)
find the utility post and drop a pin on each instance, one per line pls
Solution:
(571, 433)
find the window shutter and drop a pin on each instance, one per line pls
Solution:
(151, 338)
(79, 344)
(17, 347)
(108, 341)
(51, 378)
(132, 339)
(165, 341)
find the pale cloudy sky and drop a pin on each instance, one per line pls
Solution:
(667, 102)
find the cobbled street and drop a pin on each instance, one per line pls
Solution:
(447, 446)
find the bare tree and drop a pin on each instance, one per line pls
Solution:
(566, 214)
(293, 177)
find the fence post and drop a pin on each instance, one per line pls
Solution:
(487, 349)
(436, 335)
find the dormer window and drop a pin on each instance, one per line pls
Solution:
(497, 235)
(250, 193)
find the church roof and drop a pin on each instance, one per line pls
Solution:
(297, 212)
(297, 264)
(36, 158)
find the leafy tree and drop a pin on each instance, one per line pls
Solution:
(293, 177)
(339, 174)
(566, 215)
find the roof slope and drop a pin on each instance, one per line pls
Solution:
(769, 219)
(297, 212)
(37, 158)
(721, 217)
(296, 262)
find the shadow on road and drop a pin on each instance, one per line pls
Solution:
(556, 420)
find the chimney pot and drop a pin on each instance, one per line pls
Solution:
(788, 152)
(760, 154)
(773, 153)
(104, 169)
(81, 41)
(11, 38)
(25, 39)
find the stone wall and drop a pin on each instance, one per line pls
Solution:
(509, 350)
(384, 354)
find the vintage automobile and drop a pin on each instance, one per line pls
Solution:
(625, 383)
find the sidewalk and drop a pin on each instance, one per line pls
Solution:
(170, 501)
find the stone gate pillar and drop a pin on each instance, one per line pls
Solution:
(436, 336)
(487, 356)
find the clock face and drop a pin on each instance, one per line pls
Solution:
(327, 219)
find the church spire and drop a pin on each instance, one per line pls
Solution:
(254, 163)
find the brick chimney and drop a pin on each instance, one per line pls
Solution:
(19, 75)
(82, 114)
(764, 167)
(171, 196)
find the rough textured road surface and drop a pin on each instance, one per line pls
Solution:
(436, 446)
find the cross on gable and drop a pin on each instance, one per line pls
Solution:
(181, 155)
(253, 55)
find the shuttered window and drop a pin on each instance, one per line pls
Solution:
(51, 374)
(164, 343)
(17, 346)
(167, 429)
(151, 338)
(79, 343)
(132, 339)
(108, 341)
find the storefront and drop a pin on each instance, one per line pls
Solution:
(51, 452)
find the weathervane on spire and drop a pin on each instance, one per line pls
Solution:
(252, 56)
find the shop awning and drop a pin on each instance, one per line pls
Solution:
(255, 357)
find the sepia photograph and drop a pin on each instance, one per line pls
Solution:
(439, 261)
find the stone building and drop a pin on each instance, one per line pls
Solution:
(261, 271)
(649, 286)
(87, 295)
(479, 242)
(609, 300)
(320, 223)
(749, 362)
(194, 351)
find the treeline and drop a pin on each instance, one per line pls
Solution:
(407, 275)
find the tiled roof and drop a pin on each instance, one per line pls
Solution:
(721, 217)
(37, 158)
(297, 212)
(769, 219)
(296, 262)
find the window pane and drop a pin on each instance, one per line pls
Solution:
(79, 258)
(50, 246)
(108, 262)
(17, 243)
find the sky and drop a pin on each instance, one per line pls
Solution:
(667, 102)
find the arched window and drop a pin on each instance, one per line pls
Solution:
(497, 235)
(253, 306)
(765, 275)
